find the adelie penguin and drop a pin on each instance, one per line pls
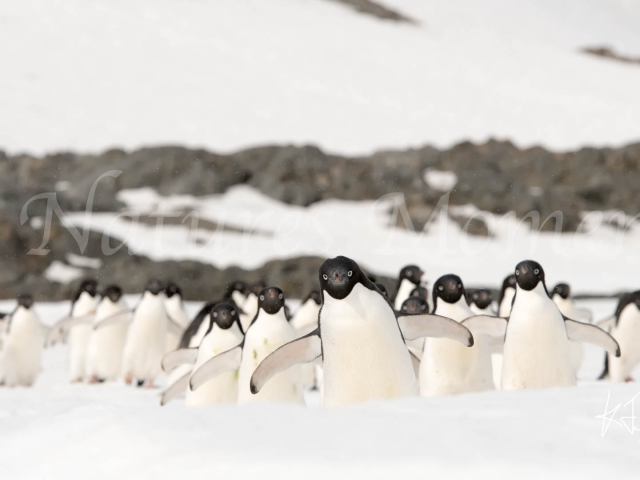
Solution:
(536, 335)
(359, 339)
(507, 293)
(447, 367)
(625, 328)
(408, 279)
(224, 332)
(175, 310)
(84, 304)
(21, 345)
(481, 302)
(106, 345)
(305, 320)
(268, 331)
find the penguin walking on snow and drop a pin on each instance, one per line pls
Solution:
(625, 328)
(481, 302)
(447, 367)
(269, 330)
(106, 345)
(84, 304)
(408, 280)
(359, 339)
(223, 333)
(537, 336)
(22, 344)
(175, 310)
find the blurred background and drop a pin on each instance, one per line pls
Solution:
(252, 139)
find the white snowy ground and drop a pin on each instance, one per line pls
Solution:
(61, 431)
(91, 74)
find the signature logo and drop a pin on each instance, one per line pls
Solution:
(623, 415)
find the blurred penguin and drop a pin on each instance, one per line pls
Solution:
(408, 279)
(84, 304)
(22, 345)
(106, 345)
(561, 296)
(481, 302)
(175, 310)
(507, 294)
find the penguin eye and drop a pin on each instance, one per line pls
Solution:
(441, 288)
(233, 312)
(424, 307)
(459, 285)
(280, 296)
(404, 308)
(475, 296)
(517, 272)
(536, 271)
(261, 297)
(215, 314)
(349, 273)
(409, 273)
(325, 276)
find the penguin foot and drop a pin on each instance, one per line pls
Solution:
(140, 383)
(629, 379)
(92, 380)
(150, 384)
(76, 380)
(128, 378)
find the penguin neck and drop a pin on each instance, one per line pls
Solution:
(221, 334)
(457, 311)
(507, 300)
(267, 320)
(84, 305)
(533, 297)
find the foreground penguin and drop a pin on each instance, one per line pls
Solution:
(106, 345)
(224, 332)
(536, 335)
(268, 331)
(408, 280)
(175, 310)
(84, 304)
(447, 367)
(22, 345)
(625, 328)
(359, 339)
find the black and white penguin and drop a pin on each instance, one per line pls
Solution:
(269, 330)
(106, 345)
(174, 304)
(147, 336)
(305, 320)
(414, 306)
(447, 367)
(625, 328)
(359, 339)
(83, 304)
(537, 336)
(421, 292)
(22, 344)
(507, 292)
(224, 332)
(408, 279)
(481, 302)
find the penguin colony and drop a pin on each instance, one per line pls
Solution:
(348, 339)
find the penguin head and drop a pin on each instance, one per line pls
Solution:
(509, 282)
(628, 299)
(528, 274)
(236, 286)
(113, 293)
(173, 289)
(224, 314)
(563, 290)
(257, 287)
(339, 275)
(90, 286)
(25, 301)
(315, 296)
(154, 287)
(482, 298)
(449, 288)
(271, 300)
(420, 291)
(411, 273)
(414, 305)
(382, 289)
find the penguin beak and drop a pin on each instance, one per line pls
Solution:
(336, 277)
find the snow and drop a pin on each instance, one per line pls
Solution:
(57, 430)
(62, 273)
(598, 259)
(84, 262)
(93, 74)
(439, 180)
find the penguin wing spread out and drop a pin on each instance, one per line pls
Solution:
(124, 316)
(302, 350)
(176, 389)
(486, 325)
(55, 333)
(179, 357)
(430, 325)
(584, 332)
(222, 363)
(175, 327)
(585, 314)
(607, 323)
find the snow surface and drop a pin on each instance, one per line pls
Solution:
(57, 430)
(599, 259)
(227, 74)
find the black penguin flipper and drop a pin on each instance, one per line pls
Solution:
(302, 350)
(124, 316)
(194, 326)
(222, 363)
(176, 389)
(587, 333)
(487, 325)
(182, 356)
(437, 326)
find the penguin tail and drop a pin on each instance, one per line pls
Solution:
(605, 372)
